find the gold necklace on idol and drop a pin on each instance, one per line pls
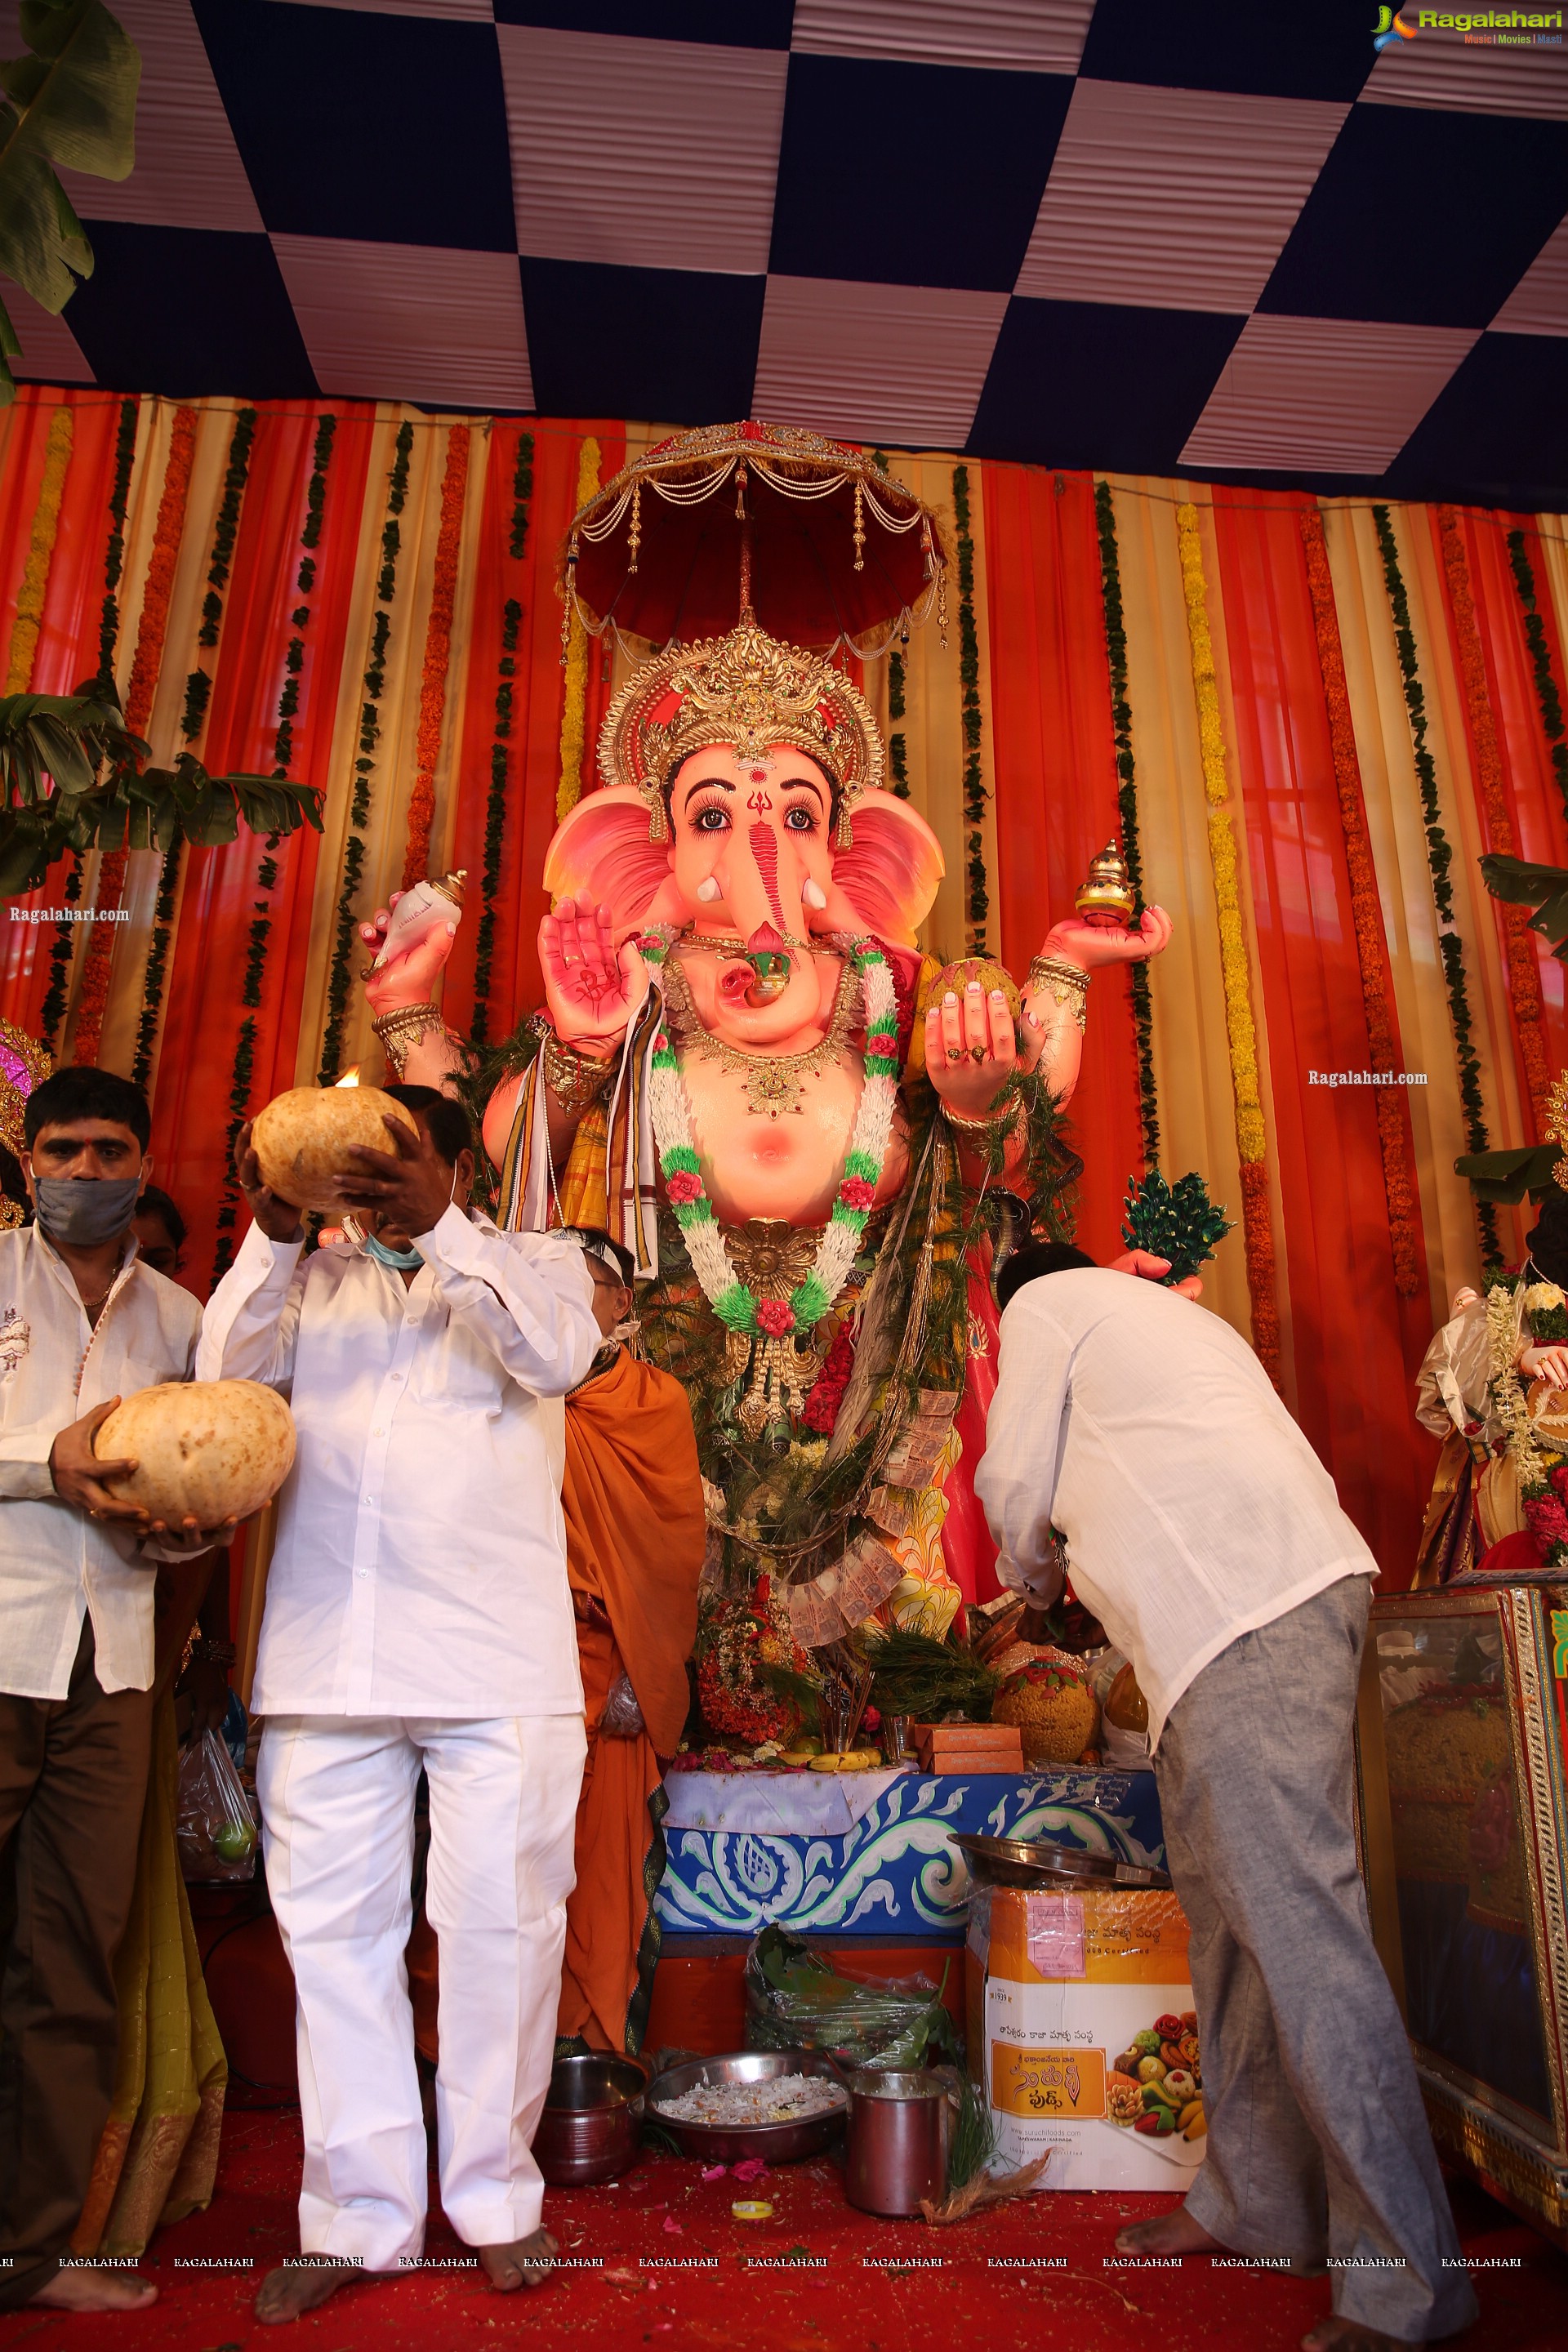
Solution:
(775, 1083)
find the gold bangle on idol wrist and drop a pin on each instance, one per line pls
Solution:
(576, 1079)
(1066, 983)
(1002, 1116)
(398, 1030)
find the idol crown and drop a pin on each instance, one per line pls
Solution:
(746, 690)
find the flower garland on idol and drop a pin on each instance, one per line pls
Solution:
(734, 1302)
(1541, 1471)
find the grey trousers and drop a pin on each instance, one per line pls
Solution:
(1318, 2142)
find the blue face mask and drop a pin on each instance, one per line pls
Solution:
(401, 1261)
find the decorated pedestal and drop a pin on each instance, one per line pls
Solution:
(869, 1854)
(1462, 1737)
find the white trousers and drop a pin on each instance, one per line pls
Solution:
(337, 1807)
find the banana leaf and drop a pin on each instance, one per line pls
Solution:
(103, 797)
(70, 99)
(1505, 1177)
(1519, 883)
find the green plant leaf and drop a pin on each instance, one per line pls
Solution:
(70, 100)
(1505, 1177)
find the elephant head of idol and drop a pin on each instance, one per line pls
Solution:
(742, 799)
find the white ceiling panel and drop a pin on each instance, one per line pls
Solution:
(410, 321)
(1174, 199)
(1539, 303)
(1027, 36)
(50, 352)
(1323, 395)
(653, 155)
(1438, 69)
(901, 363)
(188, 173)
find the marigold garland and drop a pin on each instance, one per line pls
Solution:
(1367, 915)
(1127, 804)
(495, 803)
(438, 658)
(1535, 637)
(575, 708)
(1241, 1028)
(30, 620)
(1523, 971)
(266, 871)
(1439, 859)
(152, 632)
(977, 900)
(364, 760)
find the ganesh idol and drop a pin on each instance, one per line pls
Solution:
(811, 1135)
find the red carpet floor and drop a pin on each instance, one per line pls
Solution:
(876, 2291)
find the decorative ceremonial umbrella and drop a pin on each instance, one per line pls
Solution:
(815, 539)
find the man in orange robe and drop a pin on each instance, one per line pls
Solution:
(632, 1497)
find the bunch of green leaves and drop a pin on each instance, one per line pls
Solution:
(70, 99)
(914, 1674)
(71, 777)
(974, 2141)
(796, 2000)
(1178, 1221)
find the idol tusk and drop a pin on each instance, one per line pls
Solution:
(812, 892)
(707, 889)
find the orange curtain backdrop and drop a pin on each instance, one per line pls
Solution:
(1051, 766)
(538, 683)
(1328, 1164)
(202, 1010)
(1350, 1341)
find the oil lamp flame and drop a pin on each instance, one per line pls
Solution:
(349, 1077)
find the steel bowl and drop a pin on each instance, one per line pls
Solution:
(592, 2120)
(1019, 1862)
(731, 2143)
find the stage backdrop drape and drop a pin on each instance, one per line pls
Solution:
(362, 597)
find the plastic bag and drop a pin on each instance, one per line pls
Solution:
(796, 2000)
(213, 1822)
(620, 1717)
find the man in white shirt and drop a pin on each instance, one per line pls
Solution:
(1207, 1536)
(417, 1613)
(82, 1321)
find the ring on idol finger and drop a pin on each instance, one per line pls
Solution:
(955, 1053)
(977, 1052)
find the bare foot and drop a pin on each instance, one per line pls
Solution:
(296, 2287)
(528, 2263)
(1337, 2335)
(84, 2287)
(1168, 2233)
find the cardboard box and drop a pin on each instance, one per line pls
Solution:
(1058, 1985)
(969, 1747)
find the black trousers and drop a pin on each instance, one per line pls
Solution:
(73, 1780)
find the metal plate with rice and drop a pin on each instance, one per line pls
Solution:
(780, 2142)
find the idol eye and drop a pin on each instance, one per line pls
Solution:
(712, 819)
(799, 819)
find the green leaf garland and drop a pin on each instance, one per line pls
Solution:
(1127, 803)
(266, 871)
(977, 902)
(495, 805)
(365, 763)
(1440, 860)
(198, 693)
(1546, 692)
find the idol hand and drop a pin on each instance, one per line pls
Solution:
(409, 978)
(1090, 945)
(971, 1049)
(593, 989)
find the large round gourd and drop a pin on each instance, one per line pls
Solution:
(302, 1140)
(214, 1449)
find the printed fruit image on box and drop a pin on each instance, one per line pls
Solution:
(1083, 2034)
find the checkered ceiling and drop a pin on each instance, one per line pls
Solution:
(1215, 237)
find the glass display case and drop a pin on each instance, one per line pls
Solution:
(1463, 1826)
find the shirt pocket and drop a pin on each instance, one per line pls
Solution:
(451, 1374)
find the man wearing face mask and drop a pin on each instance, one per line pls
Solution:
(417, 1614)
(82, 1320)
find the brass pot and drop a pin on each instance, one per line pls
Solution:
(592, 2120)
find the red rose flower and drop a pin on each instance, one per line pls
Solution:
(683, 1186)
(857, 1192)
(775, 1316)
